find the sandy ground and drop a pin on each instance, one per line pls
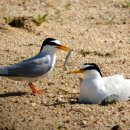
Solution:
(99, 28)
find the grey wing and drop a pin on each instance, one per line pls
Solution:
(29, 68)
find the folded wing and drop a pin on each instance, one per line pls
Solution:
(28, 68)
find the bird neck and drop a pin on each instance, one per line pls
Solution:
(49, 49)
(91, 74)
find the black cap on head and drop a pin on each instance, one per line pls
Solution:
(91, 66)
(48, 41)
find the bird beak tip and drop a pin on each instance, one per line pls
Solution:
(62, 47)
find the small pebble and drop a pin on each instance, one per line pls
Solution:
(34, 104)
(60, 100)
(67, 120)
(84, 122)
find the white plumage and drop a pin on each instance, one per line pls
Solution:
(94, 88)
(36, 67)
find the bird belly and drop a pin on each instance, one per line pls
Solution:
(28, 79)
(91, 91)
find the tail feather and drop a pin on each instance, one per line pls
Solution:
(4, 71)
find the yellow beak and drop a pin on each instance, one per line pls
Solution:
(62, 47)
(75, 71)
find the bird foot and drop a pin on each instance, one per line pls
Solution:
(34, 90)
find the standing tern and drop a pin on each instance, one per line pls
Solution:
(94, 88)
(36, 67)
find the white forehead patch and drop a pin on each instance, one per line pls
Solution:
(57, 42)
(85, 66)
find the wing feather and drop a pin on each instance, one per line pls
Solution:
(28, 68)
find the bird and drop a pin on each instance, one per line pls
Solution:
(39, 66)
(94, 87)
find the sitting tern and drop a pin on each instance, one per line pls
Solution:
(94, 88)
(36, 67)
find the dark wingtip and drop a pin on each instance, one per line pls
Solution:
(5, 75)
(4, 71)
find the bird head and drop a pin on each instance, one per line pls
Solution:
(89, 69)
(51, 44)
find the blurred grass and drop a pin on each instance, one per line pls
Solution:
(8, 19)
(67, 5)
(39, 19)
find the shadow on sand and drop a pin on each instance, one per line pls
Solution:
(9, 94)
(71, 100)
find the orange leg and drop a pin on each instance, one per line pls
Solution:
(34, 90)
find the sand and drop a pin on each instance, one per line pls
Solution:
(98, 30)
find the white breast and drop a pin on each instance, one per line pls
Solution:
(92, 91)
(95, 90)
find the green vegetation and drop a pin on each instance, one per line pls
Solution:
(127, 4)
(84, 53)
(58, 13)
(39, 19)
(67, 5)
(8, 19)
(112, 20)
(15, 21)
